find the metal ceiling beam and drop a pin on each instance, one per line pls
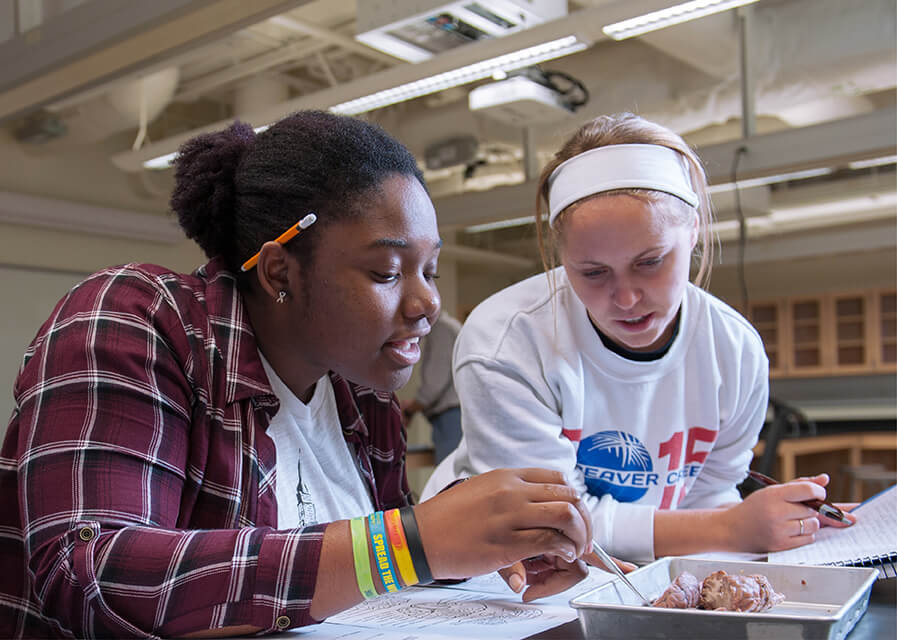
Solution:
(586, 24)
(338, 39)
(823, 145)
(104, 40)
(195, 88)
(827, 144)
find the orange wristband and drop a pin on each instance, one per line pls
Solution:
(400, 547)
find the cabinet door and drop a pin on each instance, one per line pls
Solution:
(851, 342)
(887, 330)
(806, 336)
(768, 318)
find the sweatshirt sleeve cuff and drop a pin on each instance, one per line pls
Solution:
(631, 534)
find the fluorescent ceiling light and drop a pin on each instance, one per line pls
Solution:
(848, 209)
(160, 162)
(500, 224)
(667, 17)
(874, 162)
(462, 75)
(875, 206)
(774, 179)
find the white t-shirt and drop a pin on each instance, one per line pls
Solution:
(317, 479)
(538, 388)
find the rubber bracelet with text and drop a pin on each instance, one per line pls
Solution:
(360, 551)
(415, 546)
(400, 547)
(379, 543)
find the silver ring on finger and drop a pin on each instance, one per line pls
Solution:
(801, 523)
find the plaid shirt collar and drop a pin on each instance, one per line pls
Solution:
(246, 378)
(245, 375)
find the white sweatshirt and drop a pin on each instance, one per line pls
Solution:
(539, 389)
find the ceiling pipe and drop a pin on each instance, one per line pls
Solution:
(746, 71)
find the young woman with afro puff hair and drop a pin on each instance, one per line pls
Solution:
(222, 453)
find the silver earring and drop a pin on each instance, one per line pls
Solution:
(281, 296)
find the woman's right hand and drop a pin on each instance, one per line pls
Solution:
(774, 518)
(498, 518)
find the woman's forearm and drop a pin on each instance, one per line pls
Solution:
(686, 531)
(335, 588)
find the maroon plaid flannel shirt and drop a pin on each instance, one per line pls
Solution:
(136, 478)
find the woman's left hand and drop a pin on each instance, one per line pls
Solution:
(543, 576)
(595, 560)
(547, 576)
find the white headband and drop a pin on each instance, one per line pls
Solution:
(619, 166)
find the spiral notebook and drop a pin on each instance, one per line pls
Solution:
(870, 542)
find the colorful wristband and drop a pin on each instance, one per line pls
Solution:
(400, 547)
(381, 552)
(360, 551)
(415, 546)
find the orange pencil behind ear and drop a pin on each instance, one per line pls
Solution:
(283, 238)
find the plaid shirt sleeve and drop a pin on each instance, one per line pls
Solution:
(110, 425)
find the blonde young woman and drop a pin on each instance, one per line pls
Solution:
(644, 389)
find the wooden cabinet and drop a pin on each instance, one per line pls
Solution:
(834, 454)
(768, 319)
(851, 323)
(832, 334)
(887, 327)
(806, 354)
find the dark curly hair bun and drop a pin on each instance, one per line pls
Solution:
(203, 196)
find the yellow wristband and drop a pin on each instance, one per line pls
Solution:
(400, 547)
(362, 559)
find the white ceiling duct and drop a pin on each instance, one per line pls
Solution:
(119, 109)
(152, 92)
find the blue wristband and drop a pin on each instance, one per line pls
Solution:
(380, 545)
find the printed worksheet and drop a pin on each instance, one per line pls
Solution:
(330, 631)
(456, 613)
(493, 583)
(869, 542)
(481, 608)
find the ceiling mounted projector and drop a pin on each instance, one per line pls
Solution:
(520, 101)
(416, 30)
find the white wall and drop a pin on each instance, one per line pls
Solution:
(28, 297)
(39, 266)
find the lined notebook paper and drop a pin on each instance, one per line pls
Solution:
(870, 542)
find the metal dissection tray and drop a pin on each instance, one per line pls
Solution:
(820, 603)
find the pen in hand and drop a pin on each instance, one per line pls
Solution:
(825, 508)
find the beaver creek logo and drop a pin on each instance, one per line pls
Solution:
(617, 463)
